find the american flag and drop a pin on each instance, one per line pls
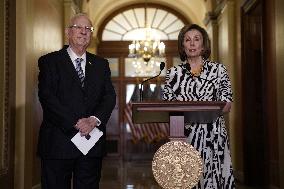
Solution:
(149, 132)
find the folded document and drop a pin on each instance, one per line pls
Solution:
(84, 144)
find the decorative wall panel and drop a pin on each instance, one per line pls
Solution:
(4, 92)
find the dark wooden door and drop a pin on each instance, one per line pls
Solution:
(253, 76)
(7, 93)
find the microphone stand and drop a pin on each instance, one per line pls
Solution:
(162, 65)
(141, 87)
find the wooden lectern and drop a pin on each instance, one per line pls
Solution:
(176, 113)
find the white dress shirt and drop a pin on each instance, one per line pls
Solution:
(73, 57)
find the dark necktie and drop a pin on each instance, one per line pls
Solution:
(79, 70)
(81, 76)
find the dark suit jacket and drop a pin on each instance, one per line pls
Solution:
(64, 102)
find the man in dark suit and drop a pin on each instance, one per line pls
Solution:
(76, 95)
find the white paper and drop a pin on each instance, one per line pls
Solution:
(85, 145)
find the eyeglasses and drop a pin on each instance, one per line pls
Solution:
(87, 28)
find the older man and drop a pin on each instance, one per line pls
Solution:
(76, 95)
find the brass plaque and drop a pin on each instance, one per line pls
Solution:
(177, 165)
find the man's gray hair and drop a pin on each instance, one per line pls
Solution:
(73, 18)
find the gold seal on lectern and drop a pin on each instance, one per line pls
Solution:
(177, 165)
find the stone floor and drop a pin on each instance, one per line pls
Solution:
(135, 171)
(136, 174)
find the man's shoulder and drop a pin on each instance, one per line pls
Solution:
(53, 55)
(49, 55)
(97, 59)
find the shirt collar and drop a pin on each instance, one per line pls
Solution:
(73, 55)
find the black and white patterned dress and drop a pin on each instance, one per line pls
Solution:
(210, 139)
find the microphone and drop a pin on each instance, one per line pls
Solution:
(162, 66)
(187, 67)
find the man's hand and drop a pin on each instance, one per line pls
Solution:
(86, 125)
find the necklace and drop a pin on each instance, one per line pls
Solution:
(196, 71)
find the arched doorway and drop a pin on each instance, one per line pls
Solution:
(113, 44)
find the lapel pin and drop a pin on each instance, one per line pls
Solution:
(90, 63)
